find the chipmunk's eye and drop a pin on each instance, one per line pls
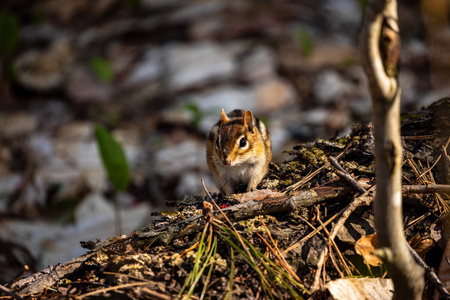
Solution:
(242, 142)
(217, 143)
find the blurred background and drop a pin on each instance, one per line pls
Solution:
(156, 73)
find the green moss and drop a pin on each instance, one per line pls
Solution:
(319, 154)
(170, 214)
(410, 117)
(354, 166)
(286, 182)
(177, 260)
(308, 156)
(254, 225)
(295, 167)
(342, 140)
(272, 184)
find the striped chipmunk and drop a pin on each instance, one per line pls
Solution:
(238, 152)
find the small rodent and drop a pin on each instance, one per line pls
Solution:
(238, 152)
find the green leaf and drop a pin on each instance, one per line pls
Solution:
(134, 4)
(363, 4)
(197, 114)
(9, 33)
(102, 69)
(113, 158)
(305, 41)
(37, 16)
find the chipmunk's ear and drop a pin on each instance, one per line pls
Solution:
(247, 120)
(224, 117)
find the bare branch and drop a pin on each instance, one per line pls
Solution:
(380, 43)
(426, 189)
(381, 85)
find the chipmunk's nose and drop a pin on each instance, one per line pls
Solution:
(226, 161)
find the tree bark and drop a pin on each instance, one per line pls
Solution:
(380, 46)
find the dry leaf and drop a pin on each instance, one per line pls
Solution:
(361, 288)
(421, 244)
(365, 246)
(365, 182)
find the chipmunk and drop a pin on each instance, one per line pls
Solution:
(238, 152)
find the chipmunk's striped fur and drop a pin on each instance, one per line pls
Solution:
(238, 152)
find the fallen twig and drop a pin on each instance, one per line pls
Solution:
(312, 175)
(22, 272)
(437, 160)
(36, 283)
(426, 189)
(414, 222)
(311, 234)
(245, 247)
(357, 202)
(431, 275)
(112, 288)
(10, 293)
(333, 244)
(345, 175)
(155, 295)
(154, 283)
(270, 204)
(226, 218)
(278, 254)
(426, 178)
(419, 137)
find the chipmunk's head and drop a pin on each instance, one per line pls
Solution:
(235, 138)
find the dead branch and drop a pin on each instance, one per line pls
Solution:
(10, 293)
(426, 189)
(36, 283)
(431, 275)
(254, 204)
(381, 85)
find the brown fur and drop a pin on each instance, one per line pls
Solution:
(235, 168)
